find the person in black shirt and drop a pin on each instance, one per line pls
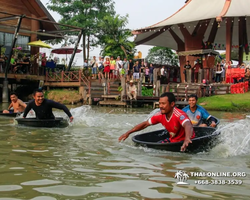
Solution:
(186, 67)
(131, 67)
(43, 107)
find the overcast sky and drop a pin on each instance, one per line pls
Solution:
(141, 13)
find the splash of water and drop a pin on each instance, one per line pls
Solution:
(234, 139)
(153, 113)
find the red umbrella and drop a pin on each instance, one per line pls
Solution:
(65, 50)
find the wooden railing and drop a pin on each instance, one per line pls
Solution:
(68, 76)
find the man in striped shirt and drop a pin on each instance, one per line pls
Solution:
(173, 119)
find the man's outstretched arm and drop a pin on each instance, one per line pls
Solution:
(62, 107)
(138, 127)
(188, 135)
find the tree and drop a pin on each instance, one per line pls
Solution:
(114, 37)
(84, 14)
(162, 56)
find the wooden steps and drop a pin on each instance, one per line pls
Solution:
(112, 103)
(179, 104)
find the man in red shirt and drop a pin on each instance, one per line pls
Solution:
(173, 119)
(196, 69)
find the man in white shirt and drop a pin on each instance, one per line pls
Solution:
(126, 68)
(100, 68)
(162, 74)
(94, 67)
(119, 66)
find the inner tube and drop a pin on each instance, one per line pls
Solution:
(50, 123)
(11, 114)
(205, 138)
(210, 120)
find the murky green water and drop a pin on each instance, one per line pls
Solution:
(85, 160)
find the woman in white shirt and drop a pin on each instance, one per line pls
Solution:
(218, 74)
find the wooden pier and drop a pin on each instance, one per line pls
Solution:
(105, 91)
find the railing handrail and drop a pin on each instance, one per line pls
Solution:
(68, 76)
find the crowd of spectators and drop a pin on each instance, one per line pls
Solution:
(18, 64)
(219, 71)
(111, 68)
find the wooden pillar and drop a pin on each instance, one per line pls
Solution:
(241, 39)
(229, 34)
(182, 60)
(139, 87)
(105, 88)
(155, 75)
(157, 89)
(200, 75)
(123, 85)
(34, 50)
(189, 72)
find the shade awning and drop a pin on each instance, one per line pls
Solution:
(194, 16)
(198, 52)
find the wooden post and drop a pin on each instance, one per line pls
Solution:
(200, 75)
(123, 85)
(62, 75)
(155, 73)
(139, 87)
(105, 90)
(188, 75)
(229, 34)
(241, 38)
(89, 87)
(211, 71)
(80, 76)
(168, 88)
(157, 89)
(163, 89)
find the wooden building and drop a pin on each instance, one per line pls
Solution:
(32, 10)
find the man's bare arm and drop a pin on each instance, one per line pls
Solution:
(21, 103)
(138, 127)
(188, 134)
(10, 106)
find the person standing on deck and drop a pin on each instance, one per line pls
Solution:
(130, 72)
(119, 67)
(151, 73)
(196, 69)
(186, 67)
(136, 71)
(94, 65)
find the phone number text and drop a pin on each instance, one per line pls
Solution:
(218, 182)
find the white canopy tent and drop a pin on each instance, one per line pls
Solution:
(188, 17)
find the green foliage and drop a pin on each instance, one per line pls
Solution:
(46, 94)
(162, 56)
(114, 37)
(85, 14)
(147, 92)
(120, 88)
(219, 58)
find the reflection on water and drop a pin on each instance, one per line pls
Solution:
(85, 160)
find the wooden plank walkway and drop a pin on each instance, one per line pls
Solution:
(177, 103)
(23, 77)
(113, 103)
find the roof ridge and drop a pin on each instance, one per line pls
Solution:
(167, 17)
(224, 10)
